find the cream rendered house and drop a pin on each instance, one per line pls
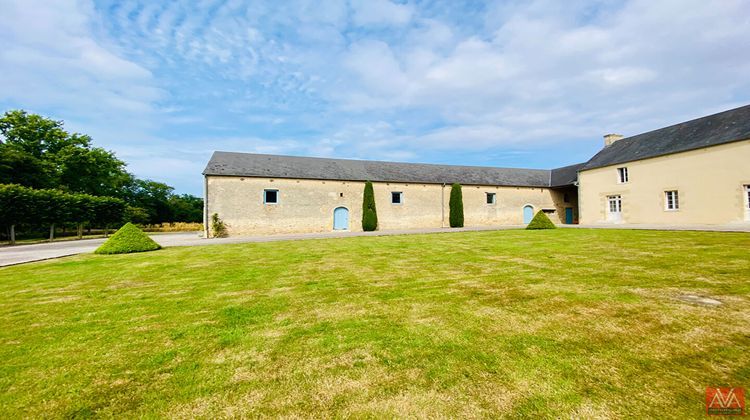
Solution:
(693, 173)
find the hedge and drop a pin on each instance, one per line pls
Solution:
(28, 206)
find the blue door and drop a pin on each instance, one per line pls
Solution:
(528, 214)
(569, 215)
(341, 218)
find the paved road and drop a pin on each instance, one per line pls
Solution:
(11, 255)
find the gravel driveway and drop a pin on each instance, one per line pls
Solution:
(11, 255)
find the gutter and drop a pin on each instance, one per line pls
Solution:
(442, 206)
(205, 207)
(470, 184)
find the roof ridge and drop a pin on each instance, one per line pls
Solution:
(300, 167)
(711, 130)
(694, 120)
(380, 161)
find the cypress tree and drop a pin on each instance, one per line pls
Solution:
(456, 206)
(369, 214)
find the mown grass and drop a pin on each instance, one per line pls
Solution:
(561, 323)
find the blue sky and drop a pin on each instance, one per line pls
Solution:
(510, 83)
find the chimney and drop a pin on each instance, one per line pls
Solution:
(609, 139)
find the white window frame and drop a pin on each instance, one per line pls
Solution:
(622, 175)
(614, 208)
(400, 198)
(746, 194)
(265, 199)
(671, 200)
(494, 198)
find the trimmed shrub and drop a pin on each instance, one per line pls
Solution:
(23, 205)
(456, 206)
(369, 213)
(126, 240)
(108, 211)
(218, 228)
(540, 221)
(17, 205)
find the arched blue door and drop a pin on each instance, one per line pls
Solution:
(528, 214)
(341, 218)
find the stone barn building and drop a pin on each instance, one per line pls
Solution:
(268, 194)
(689, 174)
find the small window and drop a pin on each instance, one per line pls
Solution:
(396, 197)
(566, 198)
(271, 196)
(672, 200)
(622, 175)
(490, 198)
(747, 197)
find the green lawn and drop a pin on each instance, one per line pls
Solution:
(569, 322)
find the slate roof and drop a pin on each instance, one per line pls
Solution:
(724, 127)
(275, 166)
(567, 175)
(712, 130)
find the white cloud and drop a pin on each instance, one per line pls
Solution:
(535, 56)
(624, 76)
(51, 58)
(165, 83)
(377, 68)
(473, 65)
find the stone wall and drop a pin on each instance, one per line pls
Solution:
(307, 206)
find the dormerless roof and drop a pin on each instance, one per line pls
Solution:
(275, 166)
(724, 127)
(721, 128)
(567, 175)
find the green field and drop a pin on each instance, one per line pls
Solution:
(561, 323)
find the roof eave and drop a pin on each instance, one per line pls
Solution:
(691, 149)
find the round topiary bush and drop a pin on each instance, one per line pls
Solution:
(541, 221)
(126, 240)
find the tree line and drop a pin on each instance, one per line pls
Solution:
(22, 205)
(38, 153)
